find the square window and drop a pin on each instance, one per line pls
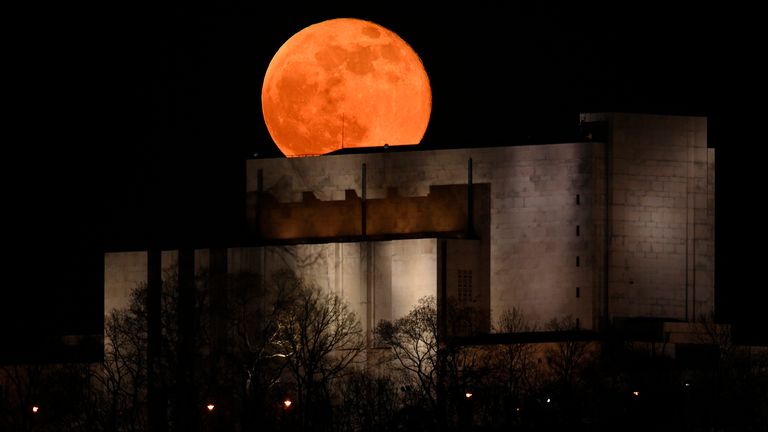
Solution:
(465, 285)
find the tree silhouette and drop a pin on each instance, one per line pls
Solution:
(319, 337)
(123, 375)
(566, 358)
(368, 402)
(414, 346)
(249, 357)
(517, 362)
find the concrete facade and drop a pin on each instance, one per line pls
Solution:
(662, 216)
(124, 271)
(621, 228)
(536, 260)
(379, 280)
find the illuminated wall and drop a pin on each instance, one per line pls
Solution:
(123, 271)
(661, 209)
(622, 227)
(379, 280)
(539, 196)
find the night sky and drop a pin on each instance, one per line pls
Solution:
(136, 121)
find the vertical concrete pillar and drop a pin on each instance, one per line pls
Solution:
(605, 312)
(156, 398)
(259, 201)
(218, 298)
(470, 202)
(187, 416)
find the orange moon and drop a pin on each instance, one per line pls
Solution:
(345, 83)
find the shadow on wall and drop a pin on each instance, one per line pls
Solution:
(444, 210)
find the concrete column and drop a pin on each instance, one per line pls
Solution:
(156, 397)
(187, 416)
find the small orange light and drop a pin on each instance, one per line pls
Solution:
(636, 393)
(35, 409)
(287, 403)
(210, 406)
(468, 395)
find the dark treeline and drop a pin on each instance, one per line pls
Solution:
(279, 354)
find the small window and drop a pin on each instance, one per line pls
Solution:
(578, 261)
(578, 292)
(578, 230)
(465, 285)
(578, 199)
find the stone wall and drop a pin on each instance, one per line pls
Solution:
(443, 210)
(379, 280)
(125, 271)
(624, 228)
(531, 225)
(661, 216)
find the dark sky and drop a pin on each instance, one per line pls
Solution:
(137, 120)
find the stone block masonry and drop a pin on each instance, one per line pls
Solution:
(617, 229)
(661, 262)
(529, 227)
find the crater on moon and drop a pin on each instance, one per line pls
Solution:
(345, 83)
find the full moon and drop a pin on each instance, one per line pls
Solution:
(345, 83)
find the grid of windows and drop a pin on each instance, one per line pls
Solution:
(465, 285)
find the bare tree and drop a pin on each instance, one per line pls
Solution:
(730, 386)
(707, 331)
(48, 397)
(518, 360)
(414, 345)
(566, 358)
(438, 372)
(320, 337)
(252, 317)
(368, 402)
(123, 376)
(20, 388)
(256, 325)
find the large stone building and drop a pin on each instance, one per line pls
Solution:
(618, 227)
